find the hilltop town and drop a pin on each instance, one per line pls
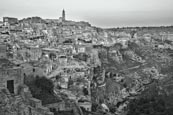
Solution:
(59, 66)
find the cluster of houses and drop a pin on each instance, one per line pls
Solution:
(63, 51)
(56, 50)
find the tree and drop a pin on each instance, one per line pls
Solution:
(42, 88)
(150, 103)
(44, 84)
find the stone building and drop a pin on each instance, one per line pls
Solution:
(10, 76)
(10, 20)
(60, 106)
(3, 50)
(21, 104)
(15, 97)
(85, 105)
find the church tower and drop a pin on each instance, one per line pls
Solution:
(63, 15)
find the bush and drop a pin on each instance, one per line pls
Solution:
(44, 84)
(42, 88)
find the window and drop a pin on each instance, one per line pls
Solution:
(52, 109)
(33, 70)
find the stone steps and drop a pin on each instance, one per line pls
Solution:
(18, 98)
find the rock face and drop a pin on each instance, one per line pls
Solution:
(133, 69)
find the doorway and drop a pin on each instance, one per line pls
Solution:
(10, 86)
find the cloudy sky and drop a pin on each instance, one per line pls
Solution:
(102, 13)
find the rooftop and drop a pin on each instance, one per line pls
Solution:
(5, 63)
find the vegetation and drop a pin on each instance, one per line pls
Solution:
(152, 102)
(42, 88)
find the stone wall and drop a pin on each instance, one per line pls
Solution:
(11, 74)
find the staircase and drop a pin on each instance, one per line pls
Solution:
(18, 98)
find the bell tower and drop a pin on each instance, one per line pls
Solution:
(63, 15)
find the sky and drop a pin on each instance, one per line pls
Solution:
(101, 13)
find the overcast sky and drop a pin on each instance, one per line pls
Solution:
(102, 13)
